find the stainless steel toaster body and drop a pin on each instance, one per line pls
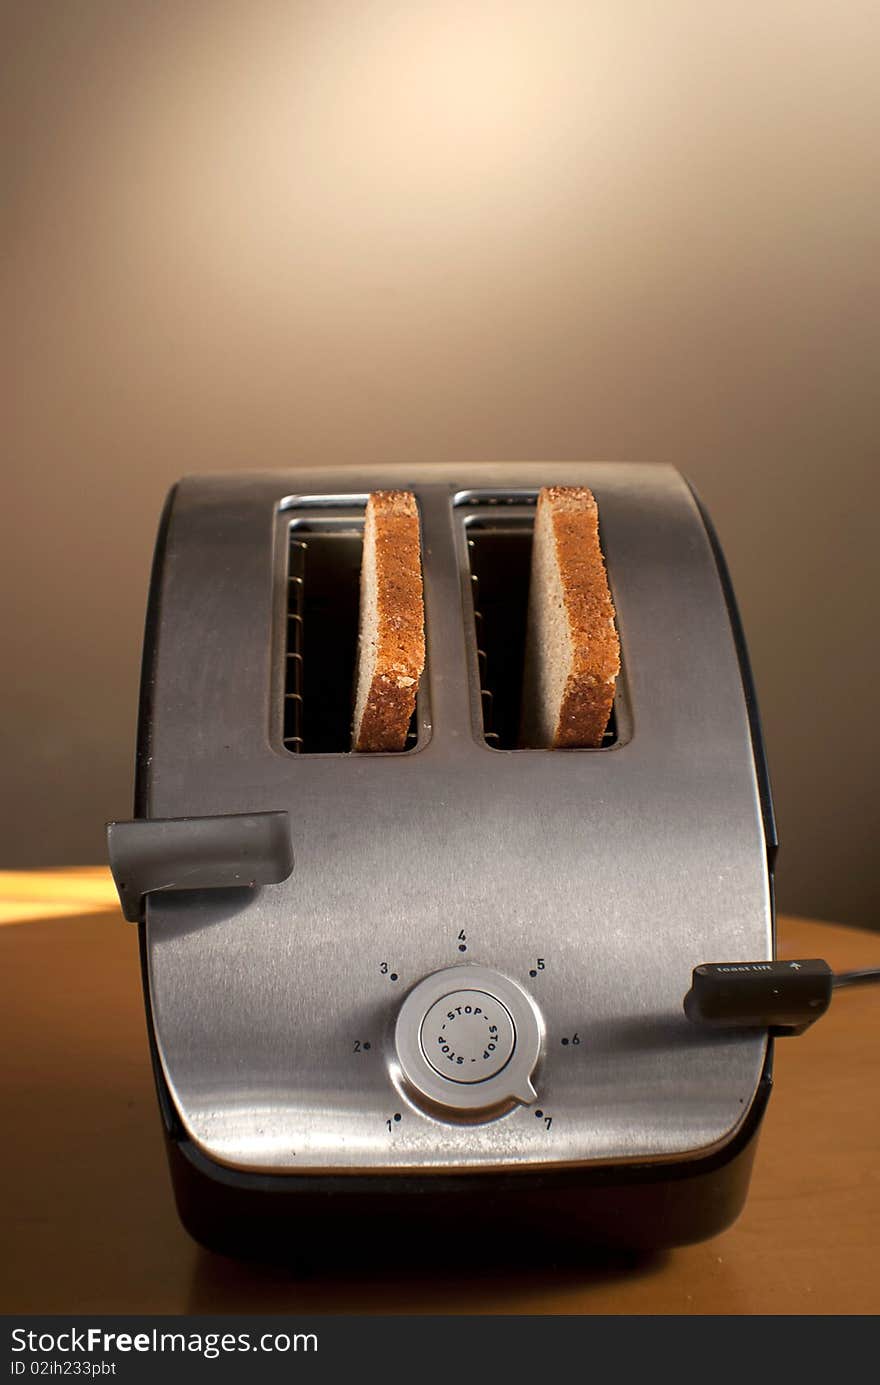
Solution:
(592, 881)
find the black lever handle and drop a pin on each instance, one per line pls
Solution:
(784, 997)
(238, 849)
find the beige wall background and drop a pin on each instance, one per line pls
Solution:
(256, 234)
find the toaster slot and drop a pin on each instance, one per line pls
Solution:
(498, 540)
(321, 618)
(499, 556)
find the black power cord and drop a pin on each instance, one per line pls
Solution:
(855, 978)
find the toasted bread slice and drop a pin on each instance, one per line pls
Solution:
(391, 640)
(572, 649)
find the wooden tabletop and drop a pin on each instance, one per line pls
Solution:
(87, 1221)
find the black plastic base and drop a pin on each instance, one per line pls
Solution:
(316, 1219)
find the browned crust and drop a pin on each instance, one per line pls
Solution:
(400, 655)
(589, 691)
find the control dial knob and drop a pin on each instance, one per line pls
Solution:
(468, 1039)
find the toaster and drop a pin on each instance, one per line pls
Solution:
(310, 918)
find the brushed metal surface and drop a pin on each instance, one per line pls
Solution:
(596, 879)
